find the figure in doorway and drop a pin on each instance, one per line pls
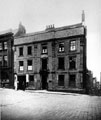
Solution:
(15, 82)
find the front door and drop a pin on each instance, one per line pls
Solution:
(44, 82)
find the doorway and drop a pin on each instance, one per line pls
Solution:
(44, 82)
(44, 73)
(22, 82)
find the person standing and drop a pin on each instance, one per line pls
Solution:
(15, 82)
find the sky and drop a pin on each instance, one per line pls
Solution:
(35, 15)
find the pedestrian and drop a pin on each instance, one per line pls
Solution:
(27, 80)
(15, 82)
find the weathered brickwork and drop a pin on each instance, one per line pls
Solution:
(45, 66)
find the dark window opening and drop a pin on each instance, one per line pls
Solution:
(29, 50)
(44, 64)
(61, 80)
(21, 51)
(72, 62)
(61, 63)
(72, 81)
(61, 47)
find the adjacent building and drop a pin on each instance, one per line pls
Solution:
(6, 60)
(53, 59)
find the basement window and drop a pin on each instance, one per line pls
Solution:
(61, 80)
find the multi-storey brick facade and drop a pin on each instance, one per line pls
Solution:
(6, 60)
(54, 59)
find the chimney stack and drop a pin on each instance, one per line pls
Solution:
(83, 17)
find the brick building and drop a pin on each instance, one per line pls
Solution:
(6, 60)
(53, 59)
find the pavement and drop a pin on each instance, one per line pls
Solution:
(47, 105)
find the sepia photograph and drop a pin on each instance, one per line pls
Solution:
(50, 60)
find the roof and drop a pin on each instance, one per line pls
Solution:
(54, 33)
(5, 34)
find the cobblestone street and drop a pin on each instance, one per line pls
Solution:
(44, 105)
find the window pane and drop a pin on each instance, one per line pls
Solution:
(21, 68)
(73, 45)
